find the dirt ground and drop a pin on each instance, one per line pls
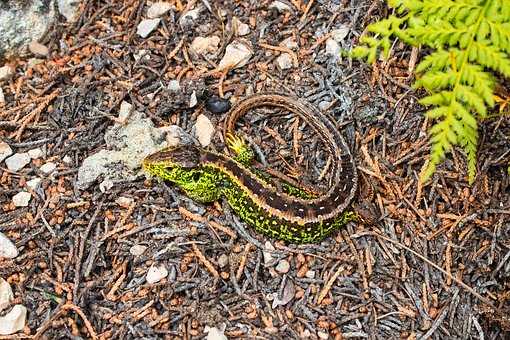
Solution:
(435, 265)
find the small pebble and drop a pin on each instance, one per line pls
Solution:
(7, 248)
(34, 184)
(145, 27)
(124, 202)
(48, 168)
(283, 267)
(204, 130)
(310, 274)
(14, 321)
(280, 6)
(68, 160)
(175, 135)
(284, 61)
(290, 42)
(125, 110)
(193, 99)
(38, 49)
(105, 185)
(333, 48)
(35, 153)
(6, 72)
(242, 28)
(17, 161)
(137, 250)
(268, 255)
(5, 151)
(214, 333)
(21, 199)
(188, 18)
(217, 105)
(2, 97)
(156, 273)
(340, 33)
(323, 335)
(173, 85)
(158, 9)
(237, 54)
(223, 260)
(203, 45)
(6, 294)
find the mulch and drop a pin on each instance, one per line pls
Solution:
(436, 264)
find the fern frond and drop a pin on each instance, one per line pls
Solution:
(471, 43)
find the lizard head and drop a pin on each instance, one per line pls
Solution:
(181, 165)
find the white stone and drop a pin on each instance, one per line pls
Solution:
(223, 260)
(68, 160)
(290, 42)
(284, 61)
(189, 17)
(323, 335)
(38, 48)
(145, 27)
(6, 294)
(280, 6)
(193, 99)
(214, 333)
(34, 184)
(17, 161)
(7, 248)
(35, 153)
(268, 255)
(173, 85)
(241, 27)
(203, 45)
(156, 273)
(5, 151)
(124, 202)
(14, 321)
(125, 110)
(69, 9)
(339, 34)
(142, 54)
(6, 72)
(137, 250)
(2, 97)
(283, 267)
(105, 185)
(204, 130)
(21, 199)
(158, 9)
(310, 274)
(333, 48)
(236, 55)
(48, 168)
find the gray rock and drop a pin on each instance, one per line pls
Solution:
(187, 19)
(173, 85)
(156, 273)
(6, 294)
(137, 250)
(280, 6)
(283, 267)
(237, 54)
(17, 161)
(145, 27)
(5, 151)
(2, 97)
(129, 143)
(14, 321)
(23, 22)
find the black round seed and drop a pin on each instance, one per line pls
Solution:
(217, 105)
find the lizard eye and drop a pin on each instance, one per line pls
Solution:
(195, 177)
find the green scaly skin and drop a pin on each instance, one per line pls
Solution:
(205, 183)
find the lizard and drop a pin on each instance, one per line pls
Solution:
(281, 212)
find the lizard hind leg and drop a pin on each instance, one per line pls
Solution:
(243, 153)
